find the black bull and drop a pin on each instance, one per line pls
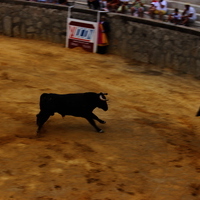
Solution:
(79, 105)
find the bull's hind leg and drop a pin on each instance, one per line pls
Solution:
(42, 117)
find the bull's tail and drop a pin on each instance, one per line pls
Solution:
(42, 117)
(198, 113)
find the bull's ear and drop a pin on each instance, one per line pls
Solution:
(103, 93)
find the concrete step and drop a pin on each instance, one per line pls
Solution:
(197, 2)
(197, 24)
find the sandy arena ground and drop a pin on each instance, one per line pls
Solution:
(151, 146)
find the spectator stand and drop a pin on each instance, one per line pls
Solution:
(172, 4)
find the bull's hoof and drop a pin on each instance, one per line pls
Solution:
(101, 131)
(38, 133)
(102, 122)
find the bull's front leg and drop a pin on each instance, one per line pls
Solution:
(92, 122)
(96, 118)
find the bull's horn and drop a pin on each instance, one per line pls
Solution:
(102, 98)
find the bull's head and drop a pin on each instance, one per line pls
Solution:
(103, 101)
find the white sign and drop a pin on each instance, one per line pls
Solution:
(82, 33)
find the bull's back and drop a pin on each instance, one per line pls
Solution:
(65, 104)
(72, 104)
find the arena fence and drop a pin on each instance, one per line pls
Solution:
(145, 40)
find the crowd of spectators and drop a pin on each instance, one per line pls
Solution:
(157, 8)
(187, 17)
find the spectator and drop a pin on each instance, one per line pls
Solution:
(113, 5)
(103, 30)
(159, 8)
(175, 17)
(63, 2)
(189, 15)
(123, 8)
(93, 4)
(103, 5)
(152, 7)
(51, 1)
(138, 8)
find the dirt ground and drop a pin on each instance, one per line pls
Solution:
(150, 149)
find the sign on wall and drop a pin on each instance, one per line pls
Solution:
(82, 33)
